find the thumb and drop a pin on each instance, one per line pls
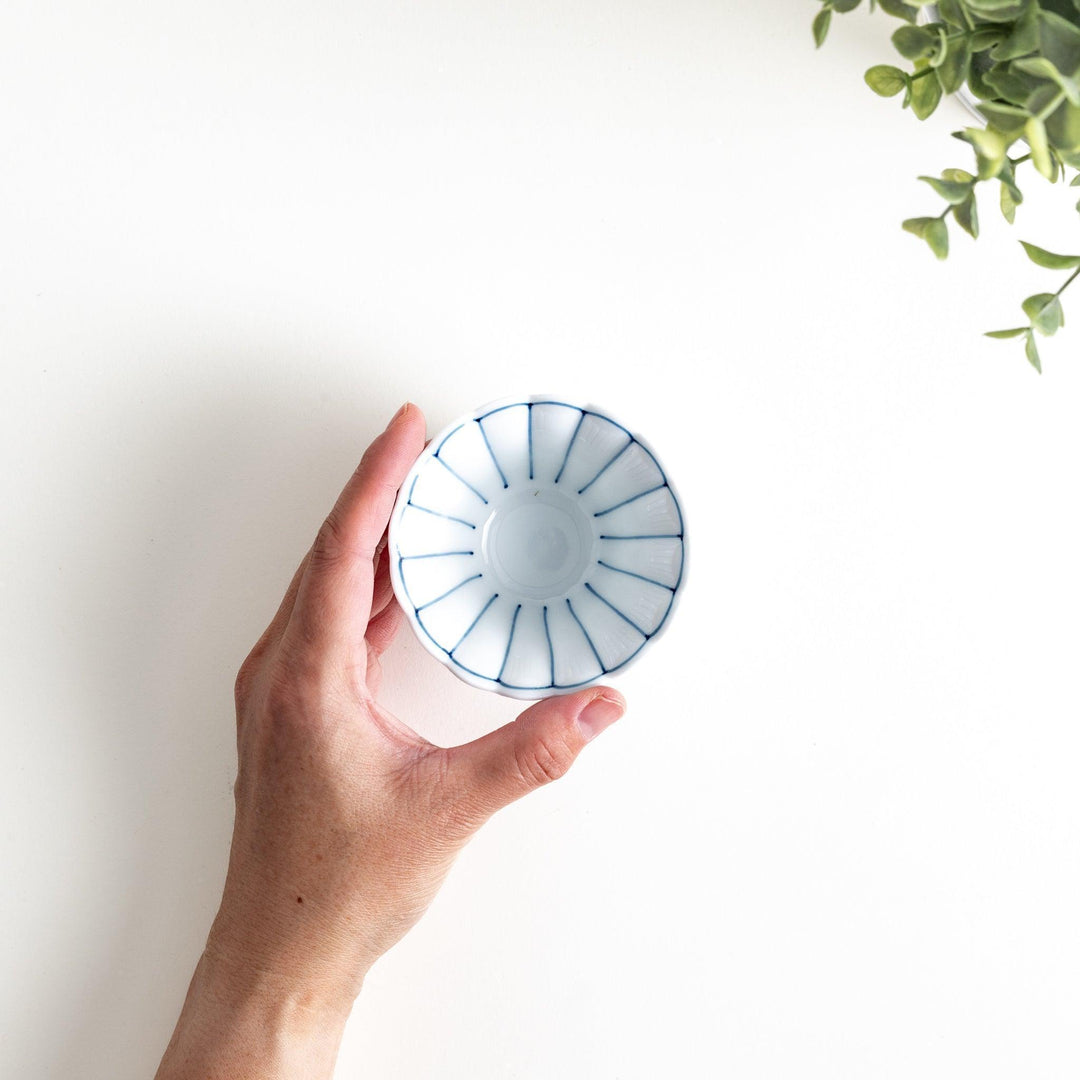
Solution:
(536, 748)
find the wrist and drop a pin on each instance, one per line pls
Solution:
(241, 1022)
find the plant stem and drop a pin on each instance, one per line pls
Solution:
(1072, 277)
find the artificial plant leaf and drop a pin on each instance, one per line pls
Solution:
(1008, 202)
(1040, 67)
(933, 230)
(1001, 335)
(1008, 175)
(886, 80)
(1044, 311)
(925, 95)
(899, 10)
(959, 176)
(1010, 86)
(1008, 119)
(1024, 37)
(820, 26)
(952, 191)
(1032, 351)
(1063, 128)
(1035, 133)
(1048, 260)
(996, 10)
(987, 38)
(952, 71)
(1044, 97)
(843, 6)
(1075, 181)
(1059, 42)
(990, 147)
(917, 226)
(915, 42)
(967, 216)
(951, 12)
(1062, 7)
(981, 90)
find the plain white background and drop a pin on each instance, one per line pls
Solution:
(837, 834)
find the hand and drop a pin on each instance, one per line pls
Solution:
(347, 822)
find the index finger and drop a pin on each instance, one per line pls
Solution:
(333, 602)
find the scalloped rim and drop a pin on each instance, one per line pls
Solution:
(400, 593)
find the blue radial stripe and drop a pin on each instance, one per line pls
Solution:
(509, 642)
(516, 686)
(448, 436)
(487, 443)
(603, 670)
(459, 585)
(551, 649)
(439, 513)
(494, 597)
(530, 443)
(570, 445)
(434, 555)
(626, 446)
(458, 476)
(633, 498)
(427, 510)
(624, 617)
(644, 536)
(518, 404)
(630, 573)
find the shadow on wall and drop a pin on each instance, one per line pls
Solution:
(219, 493)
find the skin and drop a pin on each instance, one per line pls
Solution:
(347, 822)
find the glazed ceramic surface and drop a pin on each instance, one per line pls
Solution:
(536, 547)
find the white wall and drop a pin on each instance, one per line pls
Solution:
(836, 834)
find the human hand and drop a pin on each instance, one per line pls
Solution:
(347, 821)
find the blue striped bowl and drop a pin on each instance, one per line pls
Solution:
(536, 547)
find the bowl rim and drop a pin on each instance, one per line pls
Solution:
(401, 594)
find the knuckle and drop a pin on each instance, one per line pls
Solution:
(245, 677)
(542, 761)
(285, 694)
(329, 541)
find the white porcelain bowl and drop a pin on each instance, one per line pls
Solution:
(536, 547)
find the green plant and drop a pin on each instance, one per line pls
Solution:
(1020, 60)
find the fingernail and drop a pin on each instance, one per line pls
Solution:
(600, 713)
(398, 415)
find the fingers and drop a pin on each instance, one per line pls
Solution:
(334, 597)
(383, 590)
(383, 627)
(538, 747)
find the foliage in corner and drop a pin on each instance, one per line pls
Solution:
(1020, 59)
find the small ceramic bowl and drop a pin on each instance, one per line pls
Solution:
(536, 547)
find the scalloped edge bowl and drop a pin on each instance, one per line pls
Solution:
(537, 546)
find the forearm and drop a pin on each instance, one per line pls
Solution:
(247, 1026)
